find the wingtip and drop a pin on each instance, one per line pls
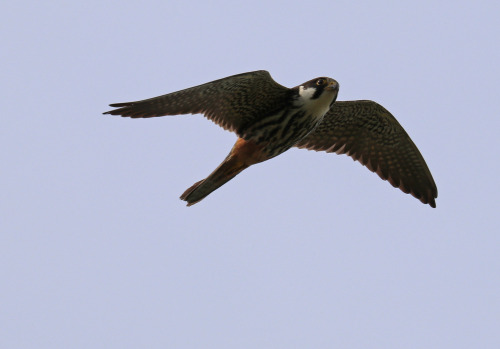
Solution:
(124, 104)
(110, 112)
(431, 197)
(116, 111)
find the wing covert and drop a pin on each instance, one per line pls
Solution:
(231, 102)
(370, 134)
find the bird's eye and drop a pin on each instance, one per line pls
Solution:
(320, 82)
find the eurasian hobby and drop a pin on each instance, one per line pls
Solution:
(269, 119)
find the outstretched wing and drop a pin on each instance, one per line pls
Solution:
(367, 132)
(231, 102)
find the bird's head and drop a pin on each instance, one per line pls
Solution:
(318, 94)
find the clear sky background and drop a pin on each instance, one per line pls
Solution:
(309, 250)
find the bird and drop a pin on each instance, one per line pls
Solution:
(269, 119)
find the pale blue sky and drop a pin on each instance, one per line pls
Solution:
(309, 250)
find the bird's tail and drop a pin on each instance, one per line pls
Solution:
(226, 171)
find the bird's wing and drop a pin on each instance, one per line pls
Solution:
(231, 102)
(367, 132)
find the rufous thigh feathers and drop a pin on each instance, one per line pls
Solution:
(242, 155)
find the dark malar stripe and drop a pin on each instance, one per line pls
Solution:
(317, 93)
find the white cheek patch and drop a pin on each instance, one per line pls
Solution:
(317, 107)
(306, 93)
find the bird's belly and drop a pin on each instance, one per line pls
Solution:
(278, 133)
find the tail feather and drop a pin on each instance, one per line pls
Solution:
(221, 175)
(189, 192)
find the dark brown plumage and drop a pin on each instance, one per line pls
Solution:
(368, 133)
(232, 103)
(270, 118)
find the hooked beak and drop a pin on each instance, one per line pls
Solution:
(332, 85)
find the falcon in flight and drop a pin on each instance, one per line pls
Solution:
(269, 119)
